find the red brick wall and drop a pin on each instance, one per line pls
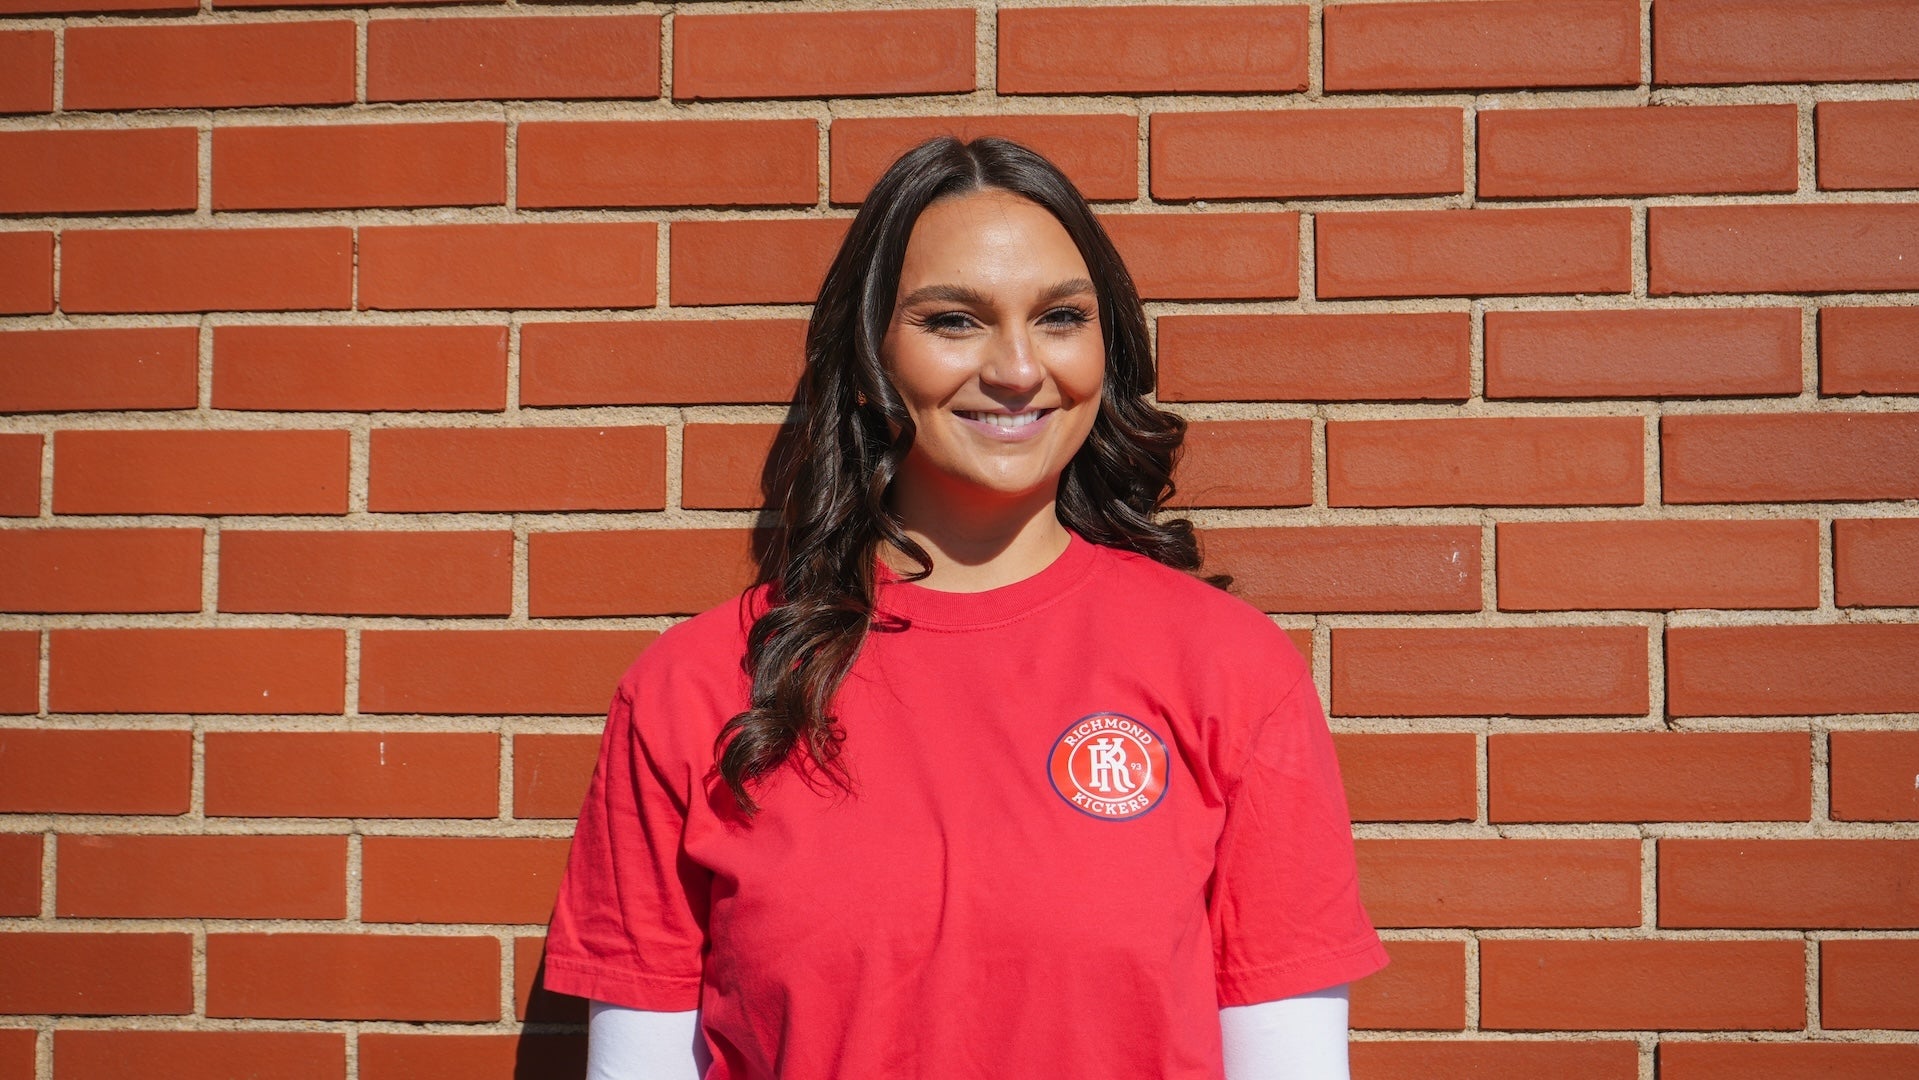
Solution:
(378, 383)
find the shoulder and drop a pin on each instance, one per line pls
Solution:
(700, 656)
(1224, 659)
(1220, 628)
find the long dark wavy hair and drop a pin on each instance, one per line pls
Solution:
(832, 476)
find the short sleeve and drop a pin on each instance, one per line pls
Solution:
(1284, 903)
(629, 925)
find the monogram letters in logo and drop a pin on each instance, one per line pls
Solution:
(1109, 765)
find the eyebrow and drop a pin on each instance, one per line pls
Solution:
(961, 294)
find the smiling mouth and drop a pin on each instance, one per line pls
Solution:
(1008, 421)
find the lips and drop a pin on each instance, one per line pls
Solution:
(1006, 426)
(1002, 420)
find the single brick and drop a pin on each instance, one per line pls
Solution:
(495, 672)
(153, 367)
(721, 464)
(26, 272)
(197, 876)
(1869, 350)
(210, 65)
(1292, 153)
(1789, 884)
(19, 475)
(177, 670)
(1779, 248)
(1099, 153)
(1789, 457)
(1486, 461)
(1490, 671)
(200, 472)
(636, 572)
(86, 973)
(714, 163)
(507, 469)
(471, 1057)
(1650, 565)
(763, 261)
(532, 1000)
(319, 167)
(589, 56)
(1405, 1059)
(661, 362)
(81, 172)
(432, 879)
(1875, 562)
(230, 4)
(1868, 144)
(1867, 983)
(1383, 568)
(20, 857)
(19, 1051)
(1409, 777)
(1785, 1060)
(270, 269)
(561, 264)
(1790, 41)
(356, 774)
(80, 7)
(19, 672)
(1153, 49)
(1667, 352)
(1586, 249)
(1209, 256)
(356, 976)
(1875, 775)
(100, 570)
(26, 71)
(360, 368)
(179, 1055)
(1422, 989)
(1477, 44)
(822, 54)
(367, 573)
(551, 773)
(1638, 985)
(1245, 463)
(95, 771)
(1405, 356)
(1638, 150)
(1789, 670)
(1500, 883)
(1639, 776)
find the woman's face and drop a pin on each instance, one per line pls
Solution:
(995, 348)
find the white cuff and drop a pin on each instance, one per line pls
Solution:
(1296, 1038)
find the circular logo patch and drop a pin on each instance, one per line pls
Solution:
(1109, 765)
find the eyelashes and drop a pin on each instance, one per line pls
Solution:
(1064, 317)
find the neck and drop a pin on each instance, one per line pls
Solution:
(978, 545)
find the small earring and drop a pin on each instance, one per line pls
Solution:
(859, 397)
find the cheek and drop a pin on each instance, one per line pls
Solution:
(925, 372)
(1081, 367)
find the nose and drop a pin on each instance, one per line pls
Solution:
(1011, 364)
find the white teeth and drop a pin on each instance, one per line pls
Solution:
(1002, 419)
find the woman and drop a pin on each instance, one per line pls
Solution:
(980, 780)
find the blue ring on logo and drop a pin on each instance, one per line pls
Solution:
(1157, 799)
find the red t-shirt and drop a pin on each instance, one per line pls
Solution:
(1089, 809)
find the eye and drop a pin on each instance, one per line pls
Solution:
(1067, 316)
(947, 322)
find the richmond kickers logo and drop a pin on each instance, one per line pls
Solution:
(1109, 765)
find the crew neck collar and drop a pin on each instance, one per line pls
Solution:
(940, 608)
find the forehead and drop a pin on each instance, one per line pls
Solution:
(989, 236)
